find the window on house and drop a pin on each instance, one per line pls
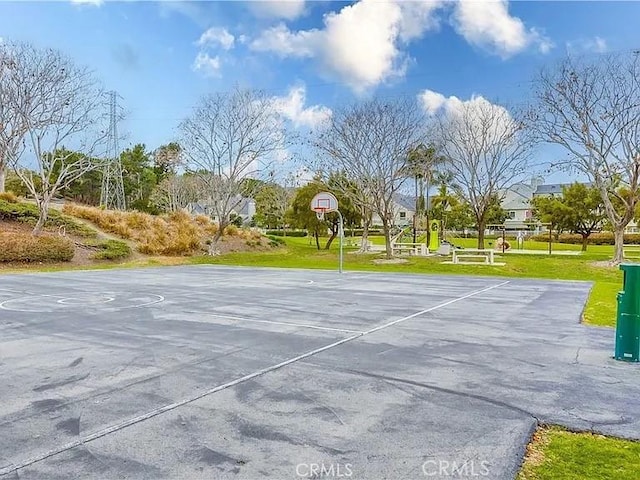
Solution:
(403, 214)
(512, 215)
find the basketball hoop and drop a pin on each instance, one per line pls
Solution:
(325, 202)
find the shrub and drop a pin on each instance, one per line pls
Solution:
(275, 241)
(112, 250)
(9, 197)
(23, 247)
(28, 213)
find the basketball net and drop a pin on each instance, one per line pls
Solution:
(320, 214)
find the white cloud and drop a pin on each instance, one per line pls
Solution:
(209, 66)
(588, 45)
(292, 107)
(287, 9)
(285, 43)
(216, 36)
(488, 24)
(360, 44)
(491, 120)
(96, 3)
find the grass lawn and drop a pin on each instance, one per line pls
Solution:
(600, 310)
(556, 454)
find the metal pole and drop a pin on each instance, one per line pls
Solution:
(549, 239)
(341, 234)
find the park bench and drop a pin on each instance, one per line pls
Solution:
(410, 248)
(485, 254)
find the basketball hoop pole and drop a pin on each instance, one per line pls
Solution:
(325, 202)
(341, 235)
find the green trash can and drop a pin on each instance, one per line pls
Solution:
(628, 318)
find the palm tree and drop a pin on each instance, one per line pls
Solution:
(422, 161)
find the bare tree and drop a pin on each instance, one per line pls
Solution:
(12, 128)
(487, 151)
(592, 109)
(368, 143)
(229, 139)
(176, 191)
(57, 103)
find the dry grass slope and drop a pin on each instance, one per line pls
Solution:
(174, 234)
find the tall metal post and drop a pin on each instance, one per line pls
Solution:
(112, 193)
(341, 235)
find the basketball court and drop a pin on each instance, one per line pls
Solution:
(222, 372)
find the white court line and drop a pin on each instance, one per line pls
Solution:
(172, 406)
(271, 322)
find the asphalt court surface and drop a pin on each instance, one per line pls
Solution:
(223, 372)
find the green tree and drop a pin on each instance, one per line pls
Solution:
(300, 214)
(139, 178)
(587, 210)
(272, 202)
(579, 210)
(552, 211)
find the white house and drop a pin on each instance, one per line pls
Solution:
(404, 209)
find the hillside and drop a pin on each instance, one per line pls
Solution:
(79, 235)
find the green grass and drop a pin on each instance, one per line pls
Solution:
(600, 309)
(557, 454)
(111, 250)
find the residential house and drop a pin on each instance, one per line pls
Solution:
(404, 209)
(245, 209)
(517, 203)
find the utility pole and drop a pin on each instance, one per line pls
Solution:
(112, 194)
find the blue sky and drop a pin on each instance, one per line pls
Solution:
(161, 56)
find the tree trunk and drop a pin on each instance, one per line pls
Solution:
(3, 176)
(43, 213)
(481, 227)
(364, 242)
(585, 240)
(618, 251)
(334, 234)
(213, 247)
(316, 235)
(387, 236)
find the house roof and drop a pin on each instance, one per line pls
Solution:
(550, 189)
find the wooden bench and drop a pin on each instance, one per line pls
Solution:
(486, 254)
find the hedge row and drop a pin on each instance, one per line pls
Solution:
(286, 233)
(24, 247)
(600, 238)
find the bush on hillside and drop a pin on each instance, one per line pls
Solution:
(24, 247)
(9, 196)
(112, 250)
(28, 213)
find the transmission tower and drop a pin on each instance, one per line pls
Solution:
(112, 194)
